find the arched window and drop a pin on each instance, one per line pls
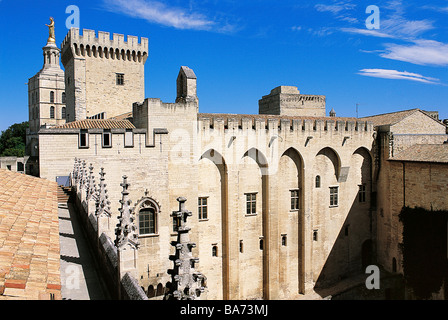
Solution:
(51, 96)
(147, 213)
(63, 97)
(151, 292)
(63, 113)
(317, 181)
(51, 112)
(159, 291)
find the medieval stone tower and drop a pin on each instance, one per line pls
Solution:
(46, 98)
(103, 77)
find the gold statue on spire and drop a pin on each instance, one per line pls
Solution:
(52, 37)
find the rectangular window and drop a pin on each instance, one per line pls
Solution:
(107, 139)
(251, 203)
(120, 79)
(362, 193)
(294, 199)
(202, 208)
(83, 139)
(334, 196)
(147, 222)
(128, 138)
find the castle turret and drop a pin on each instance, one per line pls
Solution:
(288, 101)
(186, 85)
(104, 76)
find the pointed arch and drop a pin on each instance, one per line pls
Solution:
(259, 158)
(218, 160)
(263, 166)
(290, 199)
(147, 211)
(333, 156)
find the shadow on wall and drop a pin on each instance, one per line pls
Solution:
(353, 250)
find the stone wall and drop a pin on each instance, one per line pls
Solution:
(224, 160)
(92, 63)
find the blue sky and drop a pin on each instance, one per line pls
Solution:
(240, 50)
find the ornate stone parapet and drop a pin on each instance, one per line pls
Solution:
(187, 282)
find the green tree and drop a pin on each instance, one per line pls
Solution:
(13, 140)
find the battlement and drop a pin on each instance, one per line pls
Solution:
(288, 101)
(102, 46)
(284, 124)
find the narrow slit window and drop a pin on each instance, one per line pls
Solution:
(317, 181)
(83, 139)
(294, 199)
(362, 193)
(284, 240)
(107, 139)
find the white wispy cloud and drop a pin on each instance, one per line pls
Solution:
(335, 8)
(341, 10)
(396, 25)
(421, 52)
(367, 32)
(160, 13)
(397, 75)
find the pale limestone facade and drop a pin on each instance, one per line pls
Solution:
(101, 71)
(315, 182)
(276, 251)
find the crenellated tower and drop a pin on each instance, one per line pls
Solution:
(103, 76)
(288, 101)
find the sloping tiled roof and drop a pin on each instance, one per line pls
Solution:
(29, 237)
(97, 124)
(389, 118)
(124, 116)
(424, 153)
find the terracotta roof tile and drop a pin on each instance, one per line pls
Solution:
(97, 124)
(28, 217)
(389, 118)
(424, 153)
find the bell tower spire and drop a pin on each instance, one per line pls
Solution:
(51, 51)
